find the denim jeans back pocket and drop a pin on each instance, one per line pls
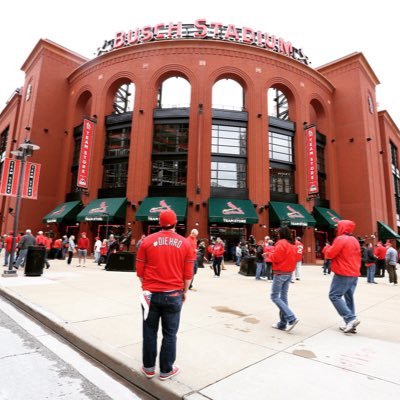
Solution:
(174, 300)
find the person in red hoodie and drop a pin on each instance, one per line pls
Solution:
(345, 256)
(83, 245)
(218, 254)
(164, 265)
(284, 260)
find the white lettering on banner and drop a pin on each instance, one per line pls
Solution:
(234, 220)
(167, 241)
(203, 30)
(49, 221)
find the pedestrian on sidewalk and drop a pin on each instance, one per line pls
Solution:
(164, 265)
(218, 255)
(96, 249)
(268, 249)
(43, 240)
(391, 262)
(83, 246)
(284, 260)
(71, 248)
(192, 239)
(370, 264)
(345, 256)
(327, 262)
(8, 244)
(299, 260)
(380, 252)
(27, 240)
(260, 264)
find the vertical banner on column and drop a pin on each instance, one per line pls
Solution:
(85, 154)
(31, 181)
(9, 177)
(312, 167)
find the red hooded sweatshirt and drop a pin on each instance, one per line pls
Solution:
(345, 251)
(284, 258)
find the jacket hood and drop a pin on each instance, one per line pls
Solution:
(345, 226)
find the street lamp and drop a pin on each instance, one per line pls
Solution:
(25, 150)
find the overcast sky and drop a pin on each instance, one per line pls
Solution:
(326, 30)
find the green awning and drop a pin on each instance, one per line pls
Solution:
(386, 232)
(112, 209)
(326, 217)
(231, 211)
(290, 213)
(151, 207)
(63, 212)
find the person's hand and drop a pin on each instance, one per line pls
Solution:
(184, 293)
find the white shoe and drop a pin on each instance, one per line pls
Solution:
(289, 327)
(263, 278)
(351, 325)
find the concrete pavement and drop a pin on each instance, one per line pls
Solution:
(227, 348)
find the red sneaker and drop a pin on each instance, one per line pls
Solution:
(175, 371)
(148, 372)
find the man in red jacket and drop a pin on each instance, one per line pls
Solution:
(164, 265)
(284, 260)
(345, 256)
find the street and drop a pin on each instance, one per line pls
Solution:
(36, 365)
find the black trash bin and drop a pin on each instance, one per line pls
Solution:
(121, 261)
(248, 266)
(35, 260)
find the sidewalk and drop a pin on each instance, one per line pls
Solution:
(227, 348)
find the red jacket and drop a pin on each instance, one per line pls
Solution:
(9, 242)
(284, 258)
(345, 251)
(164, 261)
(380, 252)
(218, 250)
(300, 250)
(268, 250)
(325, 249)
(83, 243)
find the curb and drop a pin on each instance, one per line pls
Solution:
(157, 389)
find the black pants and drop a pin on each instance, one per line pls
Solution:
(70, 254)
(217, 265)
(380, 268)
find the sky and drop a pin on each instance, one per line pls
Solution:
(326, 31)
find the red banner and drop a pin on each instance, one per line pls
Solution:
(9, 177)
(85, 154)
(30, 184)
(312, 167)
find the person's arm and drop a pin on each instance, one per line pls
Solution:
(335, 248)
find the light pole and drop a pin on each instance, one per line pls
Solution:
(25, 150)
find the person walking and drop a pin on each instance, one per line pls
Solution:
(27, 240)
(345, 256)
(218, 254)
(284, 260)
(391, 262)
(8, 244)
(83, 246)
(201, 254)
(370, 264)
(65, 245)
(42, 240)
(164, 265)
(71, 248)
(238, 250)
(269, 248)
(327, 262)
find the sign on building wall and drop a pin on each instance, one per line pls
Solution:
(10, 179)
(311, 156)
(85, 154)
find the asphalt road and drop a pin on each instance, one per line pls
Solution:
(36, 365)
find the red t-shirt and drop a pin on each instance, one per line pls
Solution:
(164, 261)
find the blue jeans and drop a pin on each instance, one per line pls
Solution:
(260, 270)
(21, 258)
(344, 286)
(279, 295)
(238, 258)
(167, 307)
(371, 273)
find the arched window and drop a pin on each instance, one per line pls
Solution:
(124, 99)
(174, 93)
(277, 104)
(228, 94)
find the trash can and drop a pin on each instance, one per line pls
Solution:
(121, 261)
(248, 266)
(35, 260)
